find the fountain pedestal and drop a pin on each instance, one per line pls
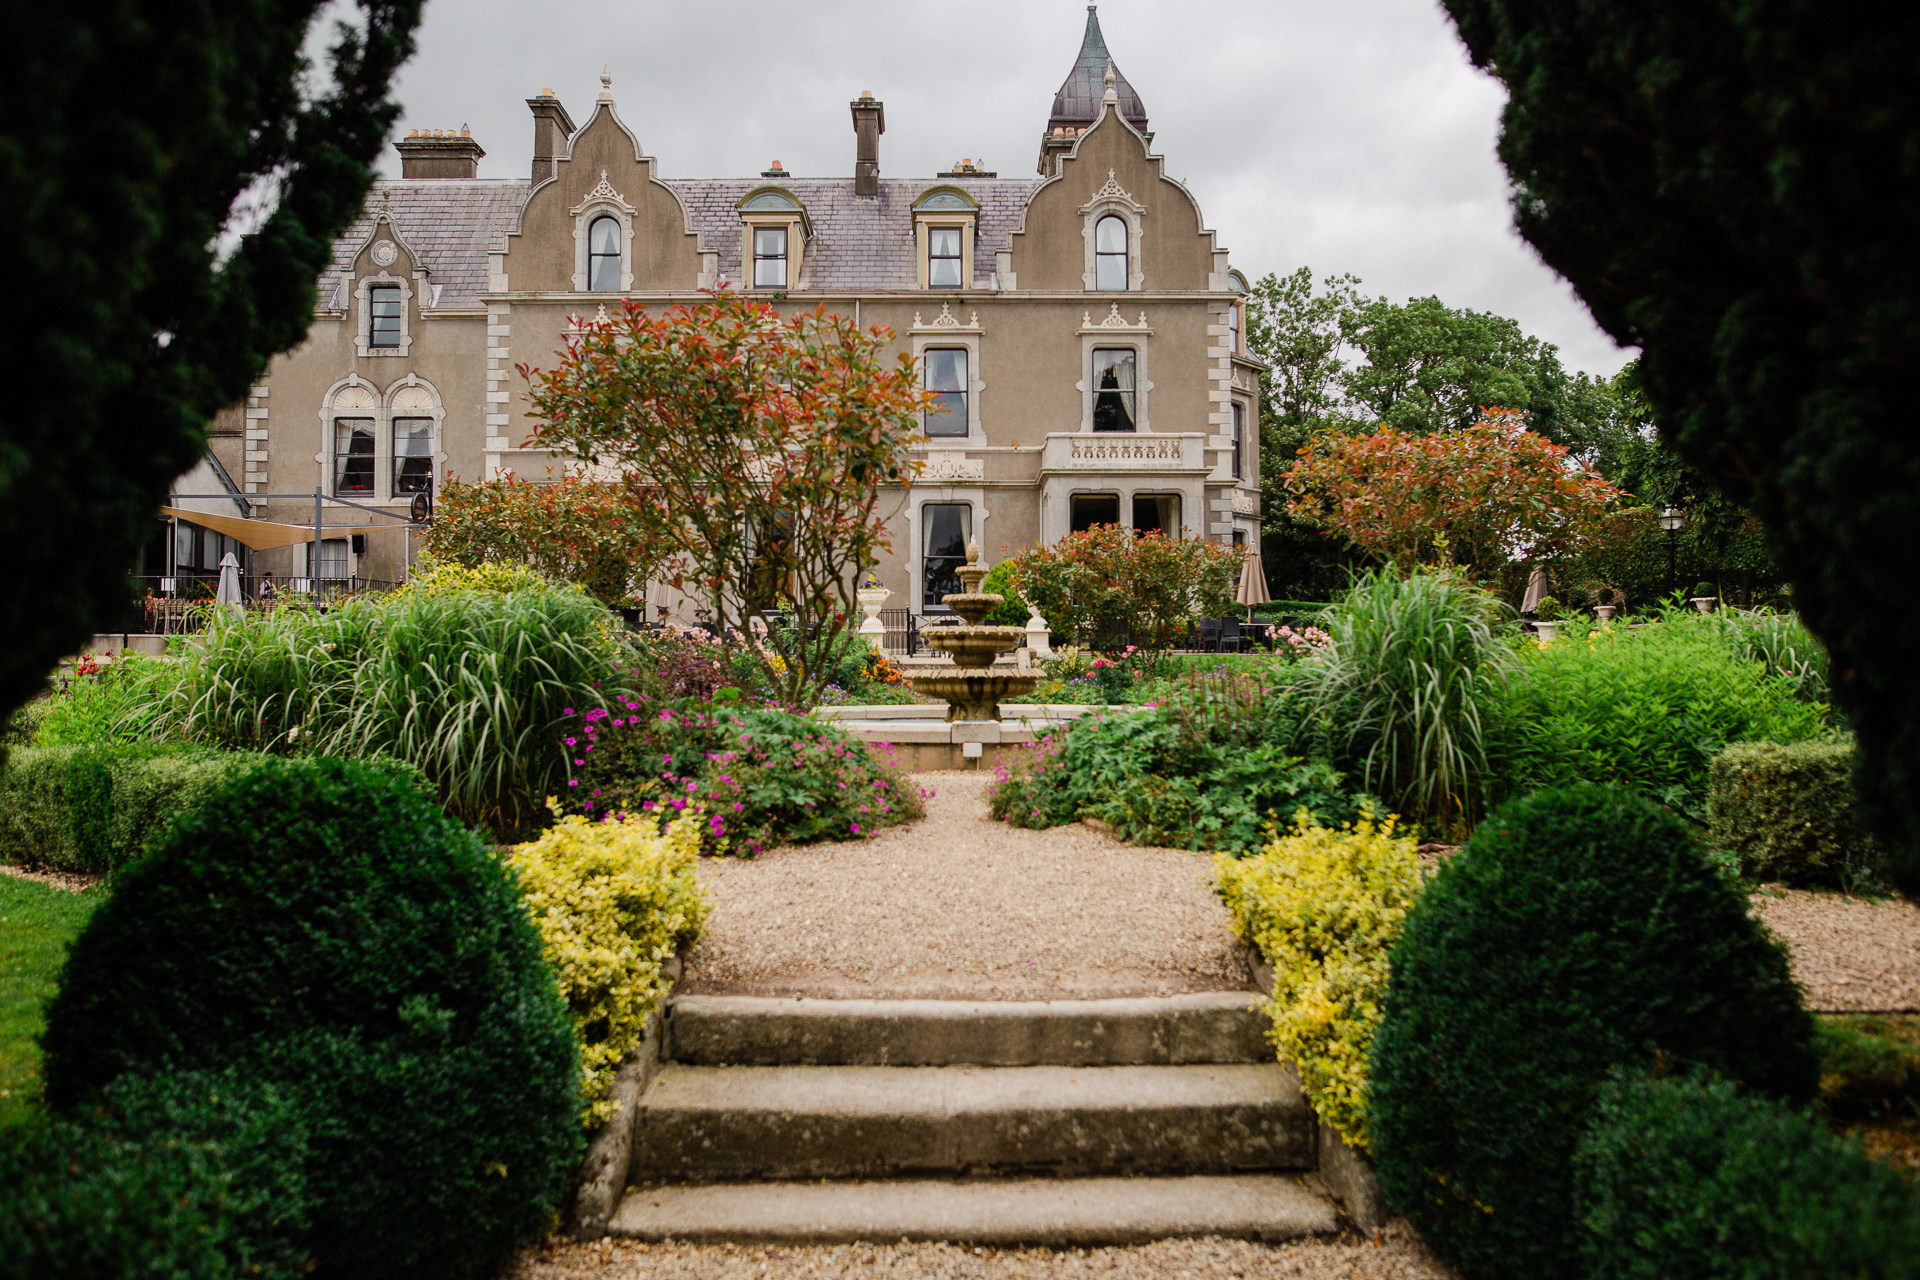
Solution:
(970, 687)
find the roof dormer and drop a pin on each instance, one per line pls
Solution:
(774, 232)
(946, 220)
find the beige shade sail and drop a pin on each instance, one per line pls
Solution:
(264, 535)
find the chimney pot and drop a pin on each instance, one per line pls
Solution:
(438, 153)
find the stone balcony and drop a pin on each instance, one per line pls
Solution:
(1079, 451)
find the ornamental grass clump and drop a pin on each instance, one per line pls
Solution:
(1324, 907)
(613, 900)
(1581, 930)
(1411, 683)
(757, 777)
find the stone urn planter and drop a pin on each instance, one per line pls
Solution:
(872, 598)
(1703, 603)
(1548, 631)
(1605, 612)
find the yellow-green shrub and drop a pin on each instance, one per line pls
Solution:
(1324, 907)
(432, 578)
(613, 902)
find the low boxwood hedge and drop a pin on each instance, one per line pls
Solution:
(1788, 811)
(1580, 930)
(1689, 1179)
(323, 927)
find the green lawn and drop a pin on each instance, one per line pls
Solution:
(36, 925)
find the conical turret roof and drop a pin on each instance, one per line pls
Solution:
(1078, 102)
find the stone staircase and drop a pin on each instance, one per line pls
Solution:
(1066, 1123)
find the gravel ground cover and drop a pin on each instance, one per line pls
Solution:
(73, 882)
(1850, 954)
(958, 906)
(1397, 1254)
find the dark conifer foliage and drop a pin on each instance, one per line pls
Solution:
(1732, 185)
(128, 131)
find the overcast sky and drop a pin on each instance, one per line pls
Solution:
(1350, 136)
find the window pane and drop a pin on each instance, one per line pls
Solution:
(1090, 509)
(383, 329)
(943, 258)
(943, 242)
(353, 455)
(1160, 511)
(412, 454)
(1113, 403)
(770, 257)
(944, 273)
(947, 415)
(769, 242)
(1110, 272)
(1110, 236)
(603, 273)
(604, 236)
(946, 369)
(948, 525)
(1238, 426)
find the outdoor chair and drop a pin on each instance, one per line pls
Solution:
(1230, 636)
(1207, 639)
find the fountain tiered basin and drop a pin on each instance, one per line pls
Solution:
(971, 688)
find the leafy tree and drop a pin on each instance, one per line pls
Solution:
(1731, 188)
(575, 528)
(1116, 587)
(753, 449)
(134, 135)
(1480, 494)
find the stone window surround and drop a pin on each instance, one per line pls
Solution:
(363, 312)
(945, 330)
(603, 200)
(796, 248)
(1109, 334)
(382, 412)
(918, 497)
(1113, 199)
(1057, 493)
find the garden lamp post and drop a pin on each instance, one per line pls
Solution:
(1670, 522)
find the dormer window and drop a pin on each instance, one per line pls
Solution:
(603, 255)
(943, 225)
(384, 303)
(769, 257)
(1110, 253)
(943, 258)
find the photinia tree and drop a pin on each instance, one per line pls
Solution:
(753, 449)
(1114, 586)
(575, 528)
(1482, 494)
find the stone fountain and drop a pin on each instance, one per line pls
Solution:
(971, 688)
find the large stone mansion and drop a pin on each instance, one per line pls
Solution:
(1082, 327)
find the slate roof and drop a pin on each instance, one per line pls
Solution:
(858, 243)
(1078, 102)
(449, 222)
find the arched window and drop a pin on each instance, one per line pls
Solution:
(1110, 253)
(603, 255)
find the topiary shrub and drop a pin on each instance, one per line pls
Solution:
(613, 900)
(170, 1175)
(1324, 907)
(1580, 930)
(321, 925)
(1787, 810)
(1689, 1179)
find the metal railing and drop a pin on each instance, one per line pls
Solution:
(176, 605)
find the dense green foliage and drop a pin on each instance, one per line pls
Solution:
(1788, 812)
(1324, 908)
(1647, 708)
(196, 1174)
(1729, 187)
(37, 922)
(1580, 930)
(1112, 588)
(1689, 1179)
(1408, 684)
(322, 927)
(116, 702)
(133, 135)
(92, 809)
(758, 777)
(466, 684)
(1210, 767)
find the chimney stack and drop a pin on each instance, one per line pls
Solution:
(869, 122)
(552, 126)
(437, 153)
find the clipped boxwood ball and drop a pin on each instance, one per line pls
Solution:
(324, 926)
(1580, 930)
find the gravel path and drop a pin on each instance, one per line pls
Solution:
(1849, 954)
(957, 906)
(1397, 1254)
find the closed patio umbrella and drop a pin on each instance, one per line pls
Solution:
(1536, 590)
(229, 589)
(1253, 583)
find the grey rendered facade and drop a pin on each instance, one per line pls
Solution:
(1083, 324)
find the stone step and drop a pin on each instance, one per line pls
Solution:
(1046, 1212)
(1208, 1027)
(719, 1124)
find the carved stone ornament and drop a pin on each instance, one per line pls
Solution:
(604, 191)
(1113, 189)
(1112, 320)
(385, 253)
(946, 320)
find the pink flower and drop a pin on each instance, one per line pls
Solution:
(856, 828)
